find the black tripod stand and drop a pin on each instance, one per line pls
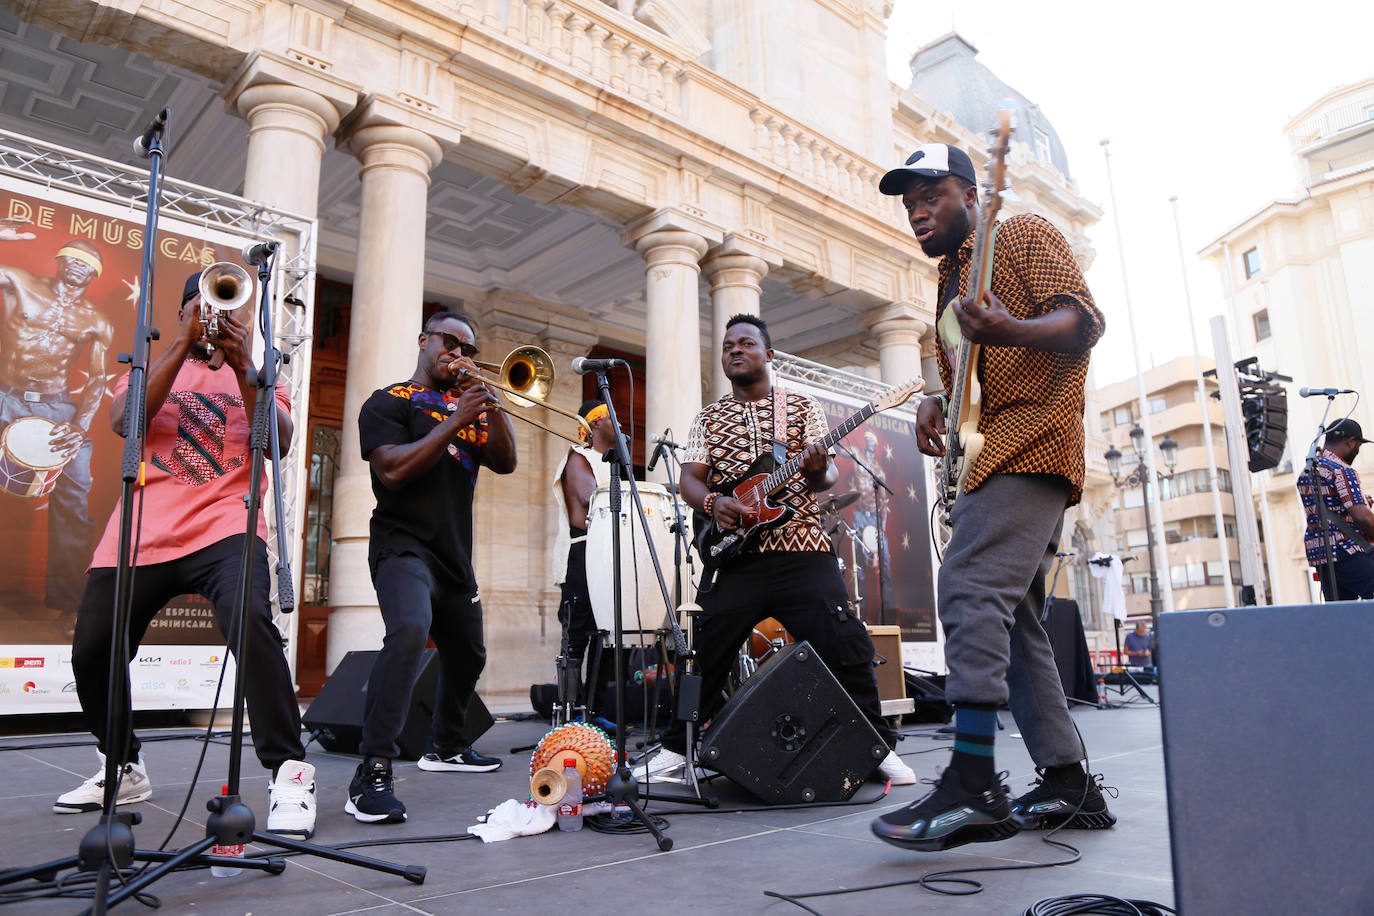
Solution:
(879, 524)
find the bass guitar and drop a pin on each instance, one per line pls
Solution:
(963, 441)
(762, 481)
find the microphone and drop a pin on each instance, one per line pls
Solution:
(661, 444)
(582, 365)
(256, 252)
(154, 129)
(1323, 392)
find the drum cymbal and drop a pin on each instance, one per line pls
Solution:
(839, 501)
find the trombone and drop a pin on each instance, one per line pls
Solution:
(526, 376)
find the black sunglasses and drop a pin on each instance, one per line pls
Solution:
(453, 343)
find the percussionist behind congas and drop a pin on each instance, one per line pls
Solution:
(581, 472)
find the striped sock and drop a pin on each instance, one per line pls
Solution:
(974, 729)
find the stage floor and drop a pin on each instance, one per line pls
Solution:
(720, 862)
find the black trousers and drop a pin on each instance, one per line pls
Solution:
(416, 606)
(212, 572)
(806, 593)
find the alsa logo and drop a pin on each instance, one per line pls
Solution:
(153, 685)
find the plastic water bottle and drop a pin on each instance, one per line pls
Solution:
(570, 808)
(226, 871)
(1101, 692)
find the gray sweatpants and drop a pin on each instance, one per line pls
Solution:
(991, 594)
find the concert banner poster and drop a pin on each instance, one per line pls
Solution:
(70, 268)
(882, 538)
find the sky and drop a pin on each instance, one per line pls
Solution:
(1193, 97)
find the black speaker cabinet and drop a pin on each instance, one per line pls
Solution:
(791, 733)
(337, 713)
(1267, 755)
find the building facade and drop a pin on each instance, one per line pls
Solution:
(1300, 278)
(585, 176)
(1192, 555)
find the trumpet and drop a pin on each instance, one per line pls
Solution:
(526, 377)
(224, 288)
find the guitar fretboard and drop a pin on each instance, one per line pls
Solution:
(780, 476)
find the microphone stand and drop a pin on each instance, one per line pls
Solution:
(880, 524)
(689, 685)
(621, 788)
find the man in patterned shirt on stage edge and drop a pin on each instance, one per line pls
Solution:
(1350, 520)
(788, 573)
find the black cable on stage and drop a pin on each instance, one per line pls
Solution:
(797, 806)
(932, 881)
(90, 742)
(1103, 904)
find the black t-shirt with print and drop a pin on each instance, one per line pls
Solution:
(431, 516)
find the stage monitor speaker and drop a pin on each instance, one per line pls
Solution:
(887, 661)
(337, 713)
(1264, 711)
(791, 733)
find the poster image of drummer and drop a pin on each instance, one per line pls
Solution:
(883, 538)
(69, 283)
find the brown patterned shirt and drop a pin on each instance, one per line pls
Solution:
(729, 434)
(1032, 399)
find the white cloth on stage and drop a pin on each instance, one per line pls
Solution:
(1113, 589)
(513, 818)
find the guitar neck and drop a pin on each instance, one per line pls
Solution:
(980, 275)
(784, 473)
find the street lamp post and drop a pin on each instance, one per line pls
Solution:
(1168, 450)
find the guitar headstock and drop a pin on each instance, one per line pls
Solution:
(899, 395)
(997, 165)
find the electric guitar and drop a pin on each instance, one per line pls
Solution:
(762, 481)
(963, 441)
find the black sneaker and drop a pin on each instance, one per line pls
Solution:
(949, 816)
(463, 760)
(1060, 802)
(370, 796)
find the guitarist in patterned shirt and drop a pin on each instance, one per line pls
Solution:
(788, 572)
(1036, 325)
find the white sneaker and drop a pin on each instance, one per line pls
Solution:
(665, 766)
(895, 769)
(291, 800)
(90, 795)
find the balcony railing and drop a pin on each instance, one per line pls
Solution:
(1330, 122)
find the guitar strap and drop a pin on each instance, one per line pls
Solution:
(779, 426)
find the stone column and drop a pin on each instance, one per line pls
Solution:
(286, 130)
(672, 335)
(388, 289)
(898, 329)
(735, 279)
